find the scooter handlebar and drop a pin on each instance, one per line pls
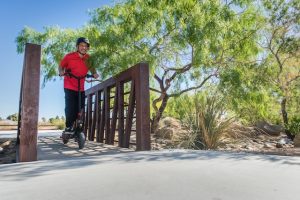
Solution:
(68, 73)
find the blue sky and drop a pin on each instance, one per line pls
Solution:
(15, 15)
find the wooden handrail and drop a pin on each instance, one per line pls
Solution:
(110, 111)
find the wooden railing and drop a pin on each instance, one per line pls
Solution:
(29, 104)
(120, 105)
(128, 112)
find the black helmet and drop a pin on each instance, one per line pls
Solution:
(82, 39)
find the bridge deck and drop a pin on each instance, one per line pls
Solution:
(51, 147)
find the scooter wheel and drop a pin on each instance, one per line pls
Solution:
(81, 140)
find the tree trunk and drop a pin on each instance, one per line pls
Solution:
(285, 119)
(158, 114)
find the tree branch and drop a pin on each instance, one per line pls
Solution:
(293, 79)
(155, 90)
(193, 88)
(159, 81)
(159, 42)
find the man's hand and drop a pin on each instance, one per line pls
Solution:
(61, 73)
(96, 76)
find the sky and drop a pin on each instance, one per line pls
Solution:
(36, 14)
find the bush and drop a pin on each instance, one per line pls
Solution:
(177, 107)
(206, 123)
(59, 123)
(294, 125)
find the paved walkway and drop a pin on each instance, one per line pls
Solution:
(106, 172)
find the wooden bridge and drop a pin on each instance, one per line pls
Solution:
(115, 109)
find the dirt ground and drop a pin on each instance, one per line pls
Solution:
(7, 151)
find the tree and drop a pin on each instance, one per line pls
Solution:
(281, 44)
(271, 82)
(186, 42)
(44, 120)
(248, 94)
(13, 117)
(51, 120)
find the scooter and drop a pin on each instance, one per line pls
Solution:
(77, 131)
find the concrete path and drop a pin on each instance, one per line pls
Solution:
(106, 172)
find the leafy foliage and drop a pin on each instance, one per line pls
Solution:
(294, 125)
(178, 106)
(247, 94)
(249, 49)
(13, 117)
(59, 122)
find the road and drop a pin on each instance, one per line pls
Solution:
(106, 172)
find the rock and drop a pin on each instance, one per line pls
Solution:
(278, 145)
(7, 143)
(169, 128)
(269, 129)
(268, 146)
(249, 147)
(165, 132)
(255, 140)
(1, 149)
(170, 122)
(297, 140)
(284, 141)
(261, 137)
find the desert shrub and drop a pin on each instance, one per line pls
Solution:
(294, 125)
(206, 121)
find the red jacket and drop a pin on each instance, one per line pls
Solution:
(78, 67)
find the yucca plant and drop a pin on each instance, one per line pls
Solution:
(206, 122)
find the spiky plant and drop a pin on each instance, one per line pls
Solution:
(206, 122)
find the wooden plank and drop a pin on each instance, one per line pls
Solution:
(129, 115)
(121, 114)
(98, 113)
(86, 117)
(30, 103)
(99, 116)
(114, 116)
(102, 120)
(90, 116)
(107, 114)
(94, 116)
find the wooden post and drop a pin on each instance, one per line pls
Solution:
(142, 93)
(30, 103)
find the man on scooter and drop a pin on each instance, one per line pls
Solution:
(76, 63)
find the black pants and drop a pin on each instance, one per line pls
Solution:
(71, 106)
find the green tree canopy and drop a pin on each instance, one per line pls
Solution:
(187, 43)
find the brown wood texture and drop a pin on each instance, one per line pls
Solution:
(120, 113)
(30, 89)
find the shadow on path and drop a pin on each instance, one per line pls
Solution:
(54, 156)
